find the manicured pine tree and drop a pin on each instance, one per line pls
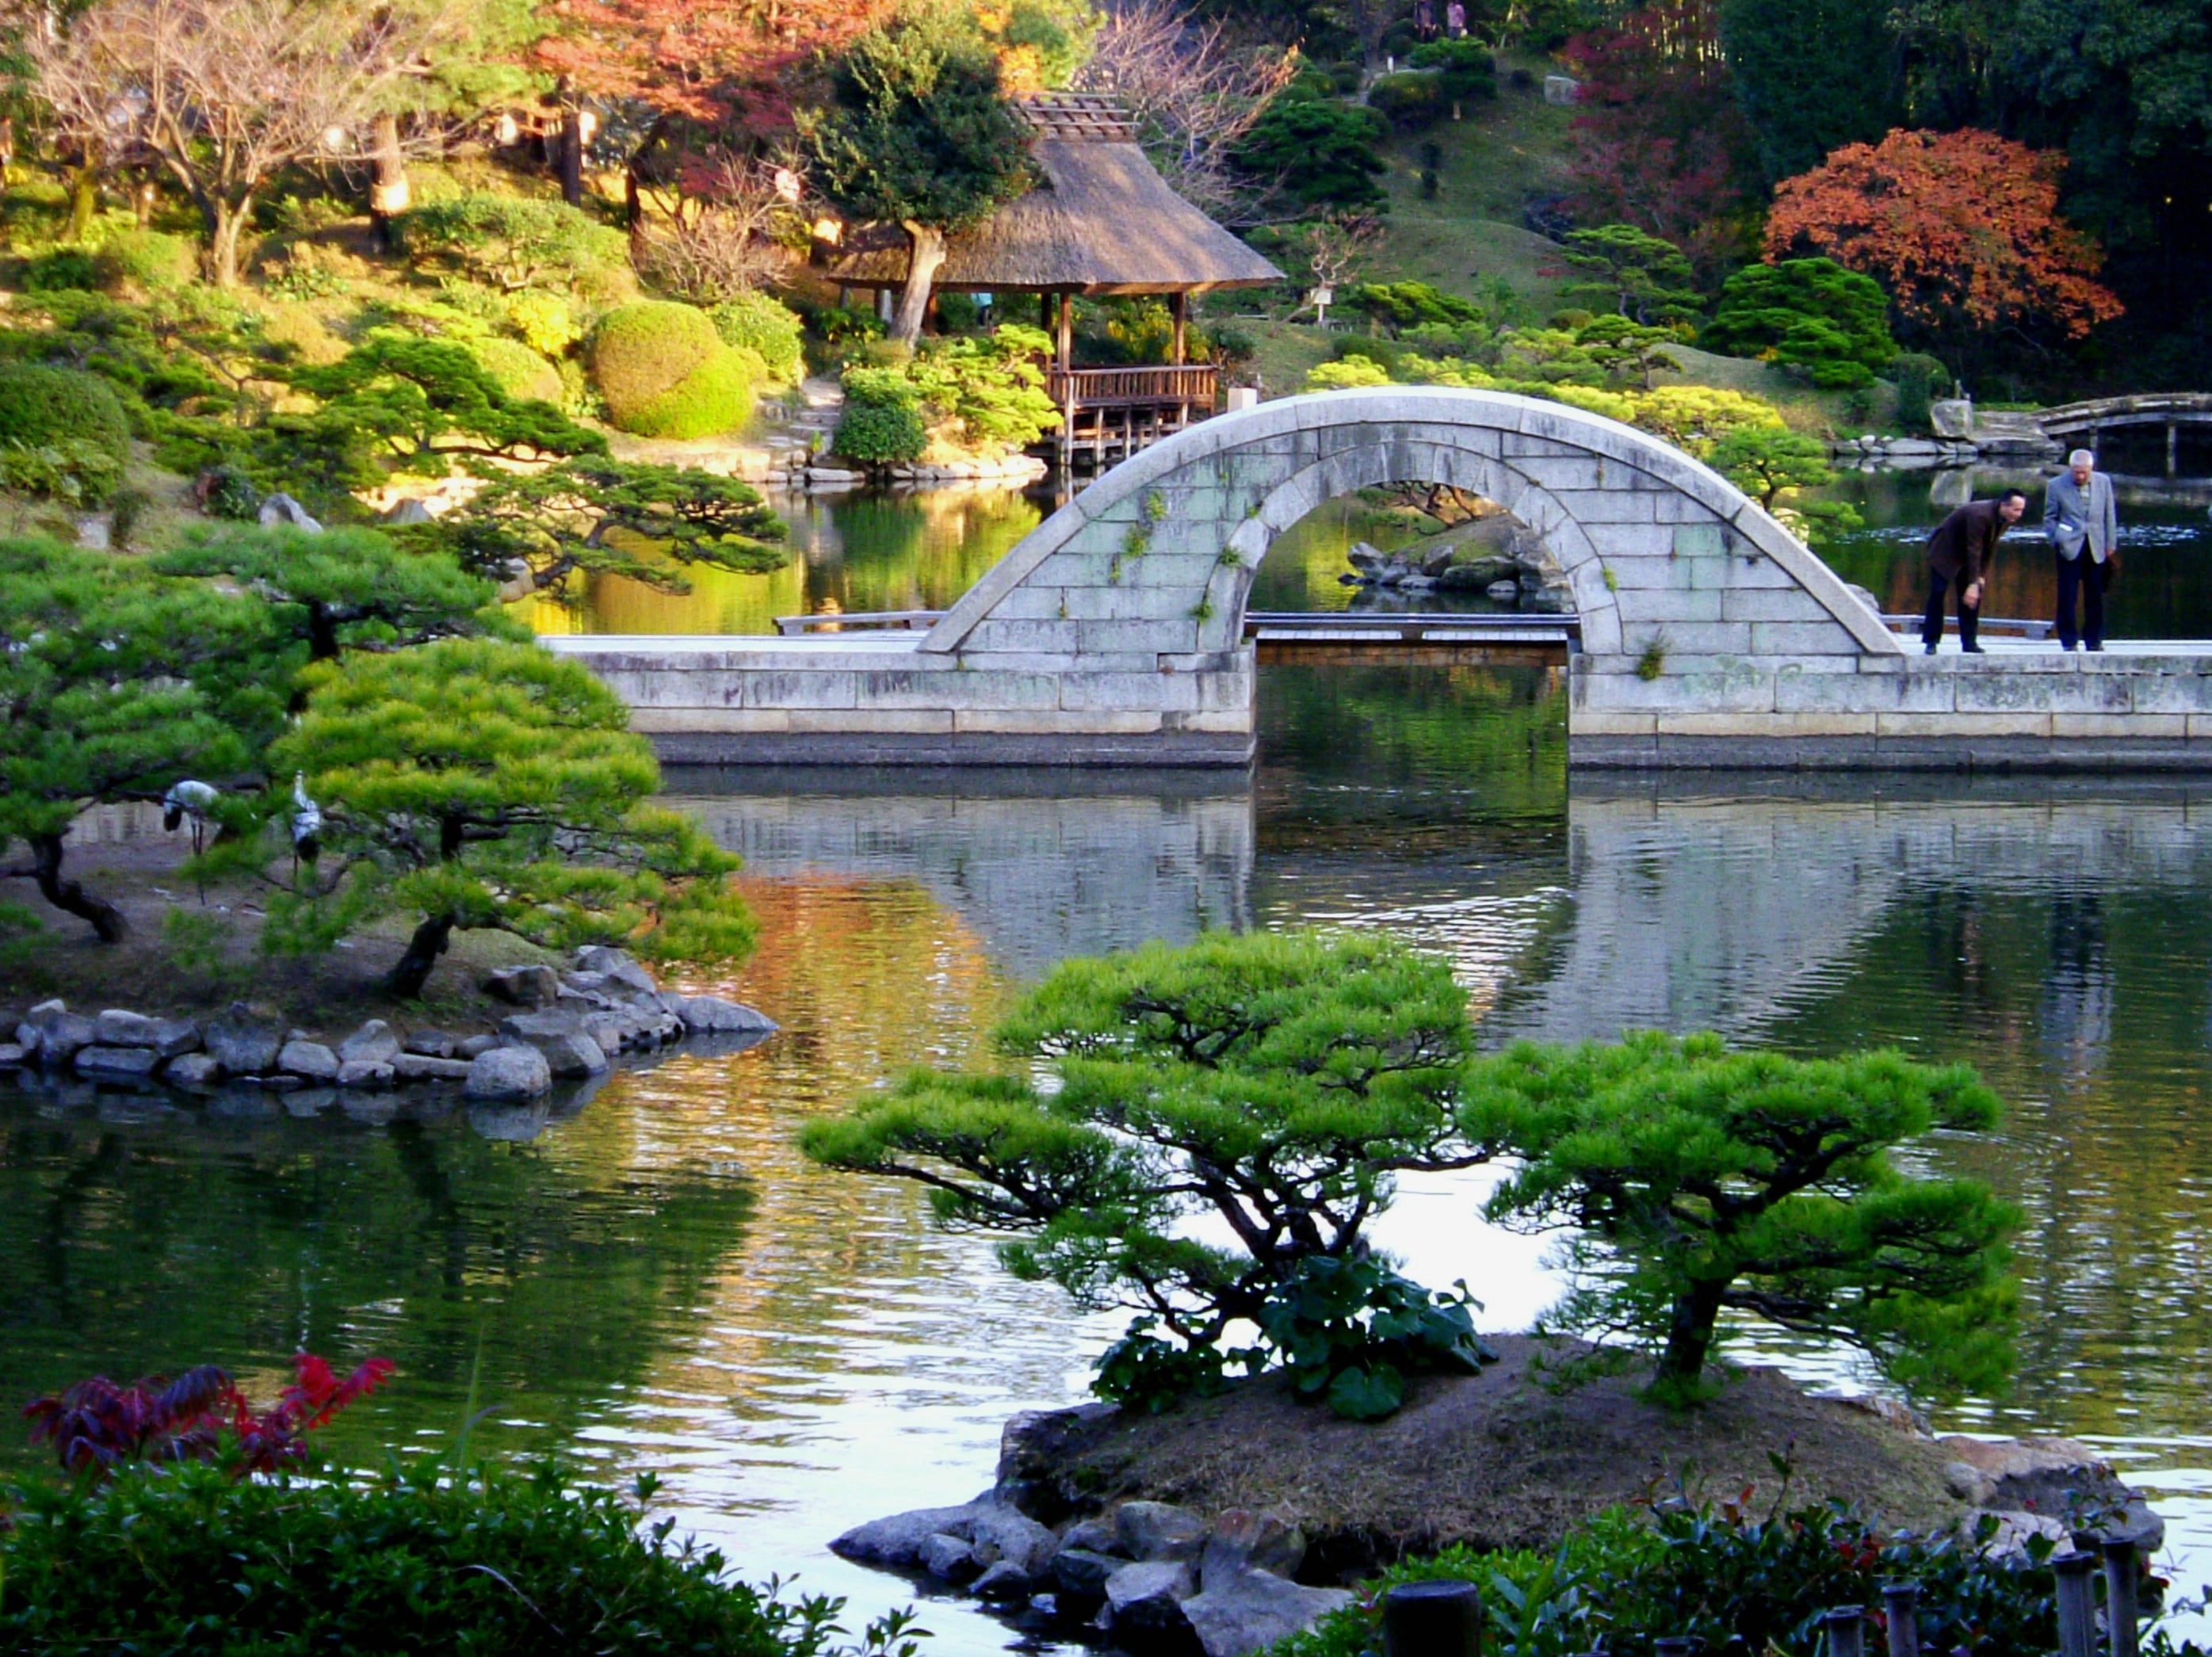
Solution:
(475, 784)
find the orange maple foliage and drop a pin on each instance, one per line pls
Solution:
(1962, 228)
(727, 63)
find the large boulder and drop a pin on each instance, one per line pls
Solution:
(1082, 1575)
(1159, 1530)
(950, 1559)
(558, 1033)
(522, 987)
(192, 1070)
(103, 1063)
(617, 966)
(54, 1033)
(374, 1043)
(513, 1073)
(2053, 1479)
(896, 1542)
(309, 1059)
(167, 1036)
(1951, 418)
(1144, 1603)
(424, 1067)
(715, 1015)
(1242, 1611)
(1243, 1541)
(243, 1041)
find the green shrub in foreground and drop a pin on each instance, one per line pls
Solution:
(184, 1560)
(770, 330)
(665, 373)
(62, 410)
(880, 433)
(1620, 1582)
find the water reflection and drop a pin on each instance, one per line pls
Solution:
(657, 1281)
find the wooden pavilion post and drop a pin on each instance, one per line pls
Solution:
(1179, 308)
(1064, 355)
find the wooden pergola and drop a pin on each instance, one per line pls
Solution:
(1102, 222)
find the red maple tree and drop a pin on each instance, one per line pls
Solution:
(1962, 228)
(1659, 142)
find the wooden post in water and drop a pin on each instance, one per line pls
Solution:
(2077, 1604)
(1432, 1620)
(1846, 1627)
(1901, 1603)
(2120, 1598)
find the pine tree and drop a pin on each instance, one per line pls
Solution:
(113, 685)
(922, 137)
(1694, 1181)
(475, 784)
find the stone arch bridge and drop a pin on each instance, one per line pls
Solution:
(1112, 633)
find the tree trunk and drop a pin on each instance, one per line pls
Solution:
(107, 922)
(389, 196)
(568, 156)
(413, 970)
(222, 240)
(922, 266)
(322, 634)
(1689, 1337)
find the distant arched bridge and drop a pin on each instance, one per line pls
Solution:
(2072, 422)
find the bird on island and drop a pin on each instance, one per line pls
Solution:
(306, 822)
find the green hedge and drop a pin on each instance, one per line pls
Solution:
(665, 373)
(518, 371)
(185, 1561)
(770, 330)
(41, 406)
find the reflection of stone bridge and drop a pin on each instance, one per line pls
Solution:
(1112, 633)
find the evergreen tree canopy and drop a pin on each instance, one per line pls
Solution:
(1695, 1181)
(1809, 314)
(472, 783)
(1811, 76)
(1274, 1085)
(344, 588)
(920, 136)
(1322, 153)
(428, 398)
(113, 685)
(1642, 277)
(611, 516)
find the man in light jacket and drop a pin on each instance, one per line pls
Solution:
(2078, 514)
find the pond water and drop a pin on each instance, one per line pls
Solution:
(652, 1280)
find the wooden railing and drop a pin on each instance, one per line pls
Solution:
(1123, 388)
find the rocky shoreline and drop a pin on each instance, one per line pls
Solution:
(1229, 1523)
(565, 1025)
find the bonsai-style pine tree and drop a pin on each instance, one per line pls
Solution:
(1772, 466)
(1274, 1085)
(478, 784)
(428, 400)
(611, 516)
(99, 703)
(922, 137)
(344, 588)
(1809, 314)
(1695, 1181)
(1639, 275)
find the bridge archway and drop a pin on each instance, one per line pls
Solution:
(1148, 569)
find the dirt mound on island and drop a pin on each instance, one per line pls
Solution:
(1504, 1458)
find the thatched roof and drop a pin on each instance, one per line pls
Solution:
(1102, 220)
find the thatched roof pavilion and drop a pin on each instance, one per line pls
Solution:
(1101, 222)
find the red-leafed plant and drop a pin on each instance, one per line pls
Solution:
(97, 1425)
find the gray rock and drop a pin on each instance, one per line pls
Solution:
(617, 966)
(1242, 1540)
(409, 511)
(897, 1542)
(1248, 1611)
(1015, 1535)
(715, 1015)
(560, 1036)
(374, 1043)
(522, 987)
(1096, 1535)
(244, 1042)
(613, 1031)
(469, 1047)
(369, 1076)
(1002, 1581)
(422, 1067)
(429, 1044)
(1144, 1600)
(1952, 416)
(192, 1070)
(282, 508)
(167, 1036)
(1158, 1530)
(509, 1073)
(116, 1063)
(543, 1025)
(14, 1055)
(1082, 1574)
(948, 1559)
(309, 1059)
(54, 1033)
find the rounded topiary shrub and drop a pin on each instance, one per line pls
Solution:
(665, 373)
(518, 370)
(881, 433)
(60, 405)
(770, 330)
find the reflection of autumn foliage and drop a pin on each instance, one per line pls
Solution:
(721, 62)
(1961, 228)
(1660, 142)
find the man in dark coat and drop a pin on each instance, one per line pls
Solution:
(1959, 555)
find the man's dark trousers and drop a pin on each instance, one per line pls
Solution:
(1970, 617)
(2088, 577)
